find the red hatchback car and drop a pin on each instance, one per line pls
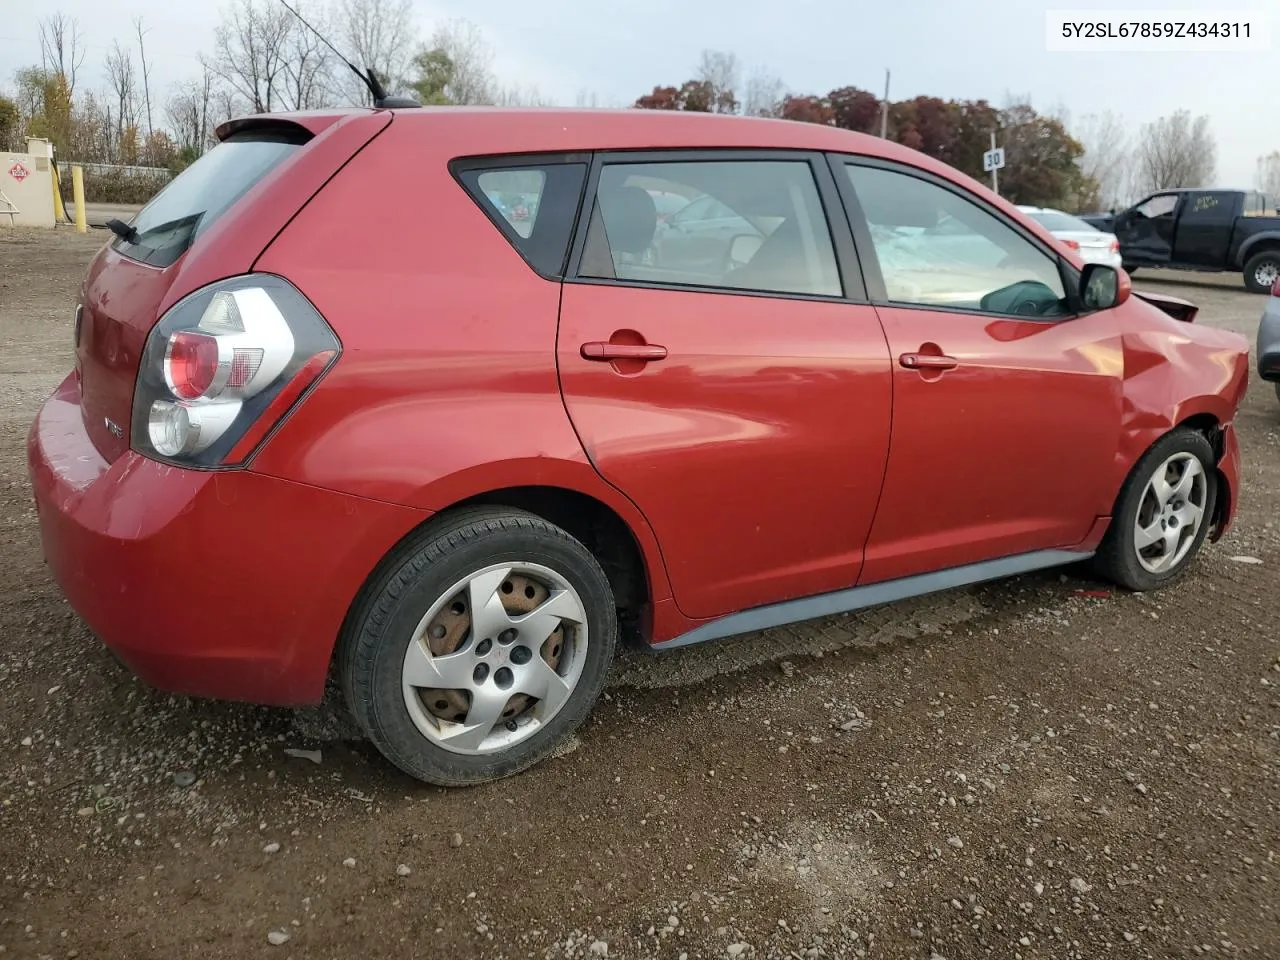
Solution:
(317, 426)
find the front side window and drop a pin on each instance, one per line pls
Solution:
(937, 249)
(754, 225)
(1160, 206)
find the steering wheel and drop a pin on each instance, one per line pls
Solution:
(1026, 298)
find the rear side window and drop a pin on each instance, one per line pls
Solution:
(533, 204)
(194, 200)
(754, 225)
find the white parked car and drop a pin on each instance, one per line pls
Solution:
(1093, 245)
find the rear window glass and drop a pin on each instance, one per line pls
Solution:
(534, 204)
(1061, 222)
(194, 200)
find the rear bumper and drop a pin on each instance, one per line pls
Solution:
(1269, 341)
(1110, 258)
(230, 584)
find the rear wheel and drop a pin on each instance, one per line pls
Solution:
(482, 649)
(1261, 271)
(1162, 515)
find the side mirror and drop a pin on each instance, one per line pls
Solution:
(1103, 287)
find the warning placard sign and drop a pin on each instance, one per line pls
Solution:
(18, 171)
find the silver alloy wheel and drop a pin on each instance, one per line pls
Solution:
(1265, 274)
(1170, 513)
(513, 664)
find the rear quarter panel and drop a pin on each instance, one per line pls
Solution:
(447, 385)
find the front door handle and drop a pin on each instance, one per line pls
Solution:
(602, 350)
(927, 361)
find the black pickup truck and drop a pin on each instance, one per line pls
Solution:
(1207, 230)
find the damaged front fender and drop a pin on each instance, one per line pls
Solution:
(1175, 375)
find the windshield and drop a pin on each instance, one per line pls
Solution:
(168, 225)
(1061, 222)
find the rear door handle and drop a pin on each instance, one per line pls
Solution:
(927, 361)
(601, 350)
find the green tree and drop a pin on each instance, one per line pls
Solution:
(432, 76)
(10, 120)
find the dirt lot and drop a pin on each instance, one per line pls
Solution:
(1020, 770)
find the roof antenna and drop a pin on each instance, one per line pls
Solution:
(370, 79)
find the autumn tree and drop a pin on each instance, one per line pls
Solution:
(855, 109)
(1175, 151)
(1041, 159)
(975, 120)
(696, 96)
(808, 109)
(926, 124)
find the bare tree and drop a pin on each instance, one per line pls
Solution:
(1269, 175)
(378, 34)
(146, 73)
(307, 63)
(522, 97)
(251, 49)
(468, 55)
(1175, 151)
(722, 72)
(224, 105)
(121, 79)
(764, 94)
(60, 49)
(187, 111)
(1106, 159)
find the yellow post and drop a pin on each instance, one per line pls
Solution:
(77, 192)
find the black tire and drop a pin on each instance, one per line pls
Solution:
(1117, 556)
(1129, 268)
(1259, 262)
(372, 649)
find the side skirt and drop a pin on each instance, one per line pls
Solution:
(871, 595)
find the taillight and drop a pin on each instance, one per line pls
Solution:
(223, 367)
(1115, 246)
(1072, 244)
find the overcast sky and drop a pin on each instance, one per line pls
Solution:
(961, 49)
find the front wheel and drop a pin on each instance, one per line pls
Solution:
(1162, 515)
(481, 648)
(1262, 270)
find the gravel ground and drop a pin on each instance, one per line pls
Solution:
(1037, 768)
